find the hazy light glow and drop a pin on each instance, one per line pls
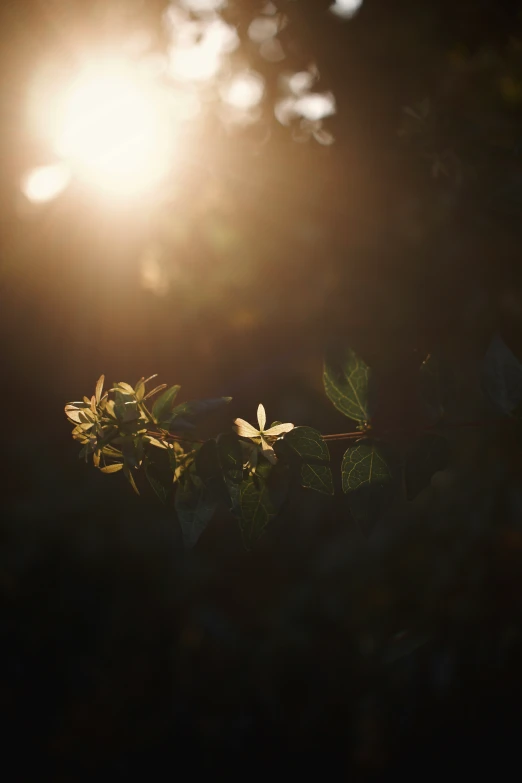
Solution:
(46, 183)
(195, 63)
(153, 277)
(272, 50)
(346, 8)
(112, 130)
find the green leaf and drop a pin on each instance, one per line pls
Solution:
(368, 479)
(139, 389)
(263, 467)
(155, 390)
(256, 510)
(430, 454)
(159, 475)
(99, 388)
(130, 452)
(180, 460)
(308, 444)
(110, 408)
(194, 508)
(114, 468)
(130, 478)
(437, 386)
(346, 382)
(502, 377)
(230, 456)
(162, 408)
(72, 413)
(110, 451)
(318, 477)
(159, 444)
(125, 407)
(124, 387)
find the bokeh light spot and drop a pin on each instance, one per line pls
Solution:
(244, 91)
(45, 183)
(315, 106)
(262, 29)
(301, 82)
(346, 8)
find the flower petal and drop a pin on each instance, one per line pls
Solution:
(279, 429)
(261, 417)
(268, 451)
(245, 430)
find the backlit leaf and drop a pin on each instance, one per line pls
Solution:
(346, 382)
(162, 408)
(159, 476)
(99, 388)
(159, 444)
(155, 390)
(209, 469)
(140, 389)
(368, 479)
(110, 451)
(308, 443)
(114, 468)
(124, 387)
(130, 478)
(194, 508)
(72, 413)
(256, 510)
(230, 456)
(309, 456)
(318, 477)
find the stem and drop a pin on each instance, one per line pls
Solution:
(344, 436)
(174, 437)
(429, 428)
(146, 411)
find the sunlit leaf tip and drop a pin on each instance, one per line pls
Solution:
(99, 387)
(114, 468)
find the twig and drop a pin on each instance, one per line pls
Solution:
(174, 437)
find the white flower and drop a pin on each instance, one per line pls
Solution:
(263, 438)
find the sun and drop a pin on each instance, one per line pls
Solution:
(112, 128)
